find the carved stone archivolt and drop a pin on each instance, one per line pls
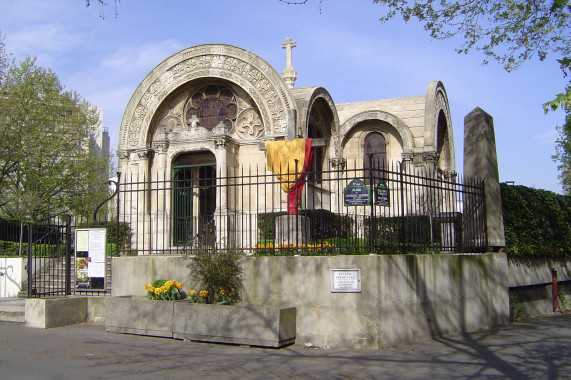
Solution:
(241, 67)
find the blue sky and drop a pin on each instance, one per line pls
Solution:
(341, 46)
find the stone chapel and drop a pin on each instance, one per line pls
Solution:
(206, 110)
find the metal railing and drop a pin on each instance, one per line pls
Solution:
(49, 250)
(350, 210)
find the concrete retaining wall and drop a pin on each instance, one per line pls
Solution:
(530, 284)
(403, 297)
(13, 273)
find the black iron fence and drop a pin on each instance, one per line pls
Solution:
(345, 210)
(52, 265)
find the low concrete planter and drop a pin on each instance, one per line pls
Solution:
(45, 313)
(236, 324)
(250, 325)
(138, 315)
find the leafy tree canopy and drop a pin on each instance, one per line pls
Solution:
(563, 152)
(46, 165)
(507, 31)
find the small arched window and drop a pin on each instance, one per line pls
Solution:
(374, 157)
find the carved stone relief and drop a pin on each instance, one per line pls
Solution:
(225, 66)
(249, 125)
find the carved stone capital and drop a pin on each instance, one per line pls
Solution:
(123, 154)
(221, 143)
(161, 146)
(407, 157)
(145, 154)
(338, 163)
(430, 157)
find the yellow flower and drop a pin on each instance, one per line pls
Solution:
(157, 290)
(169, 284)
(223, 292)
(149, 287)
(203, 293)
(192, 292)
(178, 285)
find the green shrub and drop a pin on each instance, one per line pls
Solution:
(219, 273)
(536, 222)
(324, 224)
(10, 249)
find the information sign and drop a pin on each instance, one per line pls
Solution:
(90, 257)
(345, 280)
(357, 194)
(382, 194)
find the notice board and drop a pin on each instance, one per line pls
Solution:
(90, 258)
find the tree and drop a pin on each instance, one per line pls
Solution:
(510, 32)
(507, 31)
(46, 165)
(563, 152)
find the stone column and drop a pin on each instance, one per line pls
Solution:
(143, 218)
(160, 238)
(481, 161)
(223, 238)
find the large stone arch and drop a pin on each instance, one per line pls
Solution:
(306, 99)
(395, 121)
(217, 61)
(437, 105)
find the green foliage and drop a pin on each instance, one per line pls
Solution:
(11, 249)
(46, 165)
(324, 224)
(563, 299)
(507, 31)
(536, 222)
(517, 309)
(217, 271)
(563, 152)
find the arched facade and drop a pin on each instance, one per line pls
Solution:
(202, 115)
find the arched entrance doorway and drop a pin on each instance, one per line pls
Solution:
(194, 199)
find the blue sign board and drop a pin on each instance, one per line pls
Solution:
(357, 194)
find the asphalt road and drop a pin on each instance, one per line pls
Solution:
(534, 349)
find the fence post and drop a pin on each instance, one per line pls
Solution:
(485, 212)
(402, 234)
(118, 210)
(68, 256)
(30, 268)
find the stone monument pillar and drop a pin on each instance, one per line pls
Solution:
(480, 160)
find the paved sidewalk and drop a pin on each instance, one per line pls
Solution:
(536, 349)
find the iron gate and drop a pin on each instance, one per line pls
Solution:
(51, 266)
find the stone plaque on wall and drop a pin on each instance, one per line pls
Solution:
(345, 280)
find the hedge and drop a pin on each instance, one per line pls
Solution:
(324, 224)
(536, 222)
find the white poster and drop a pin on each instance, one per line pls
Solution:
(97, 245)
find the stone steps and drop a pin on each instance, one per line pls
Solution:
(56, 266)
(12, 311)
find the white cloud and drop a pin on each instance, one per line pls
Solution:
(46, 40)
(143, 57)
(547, 138)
